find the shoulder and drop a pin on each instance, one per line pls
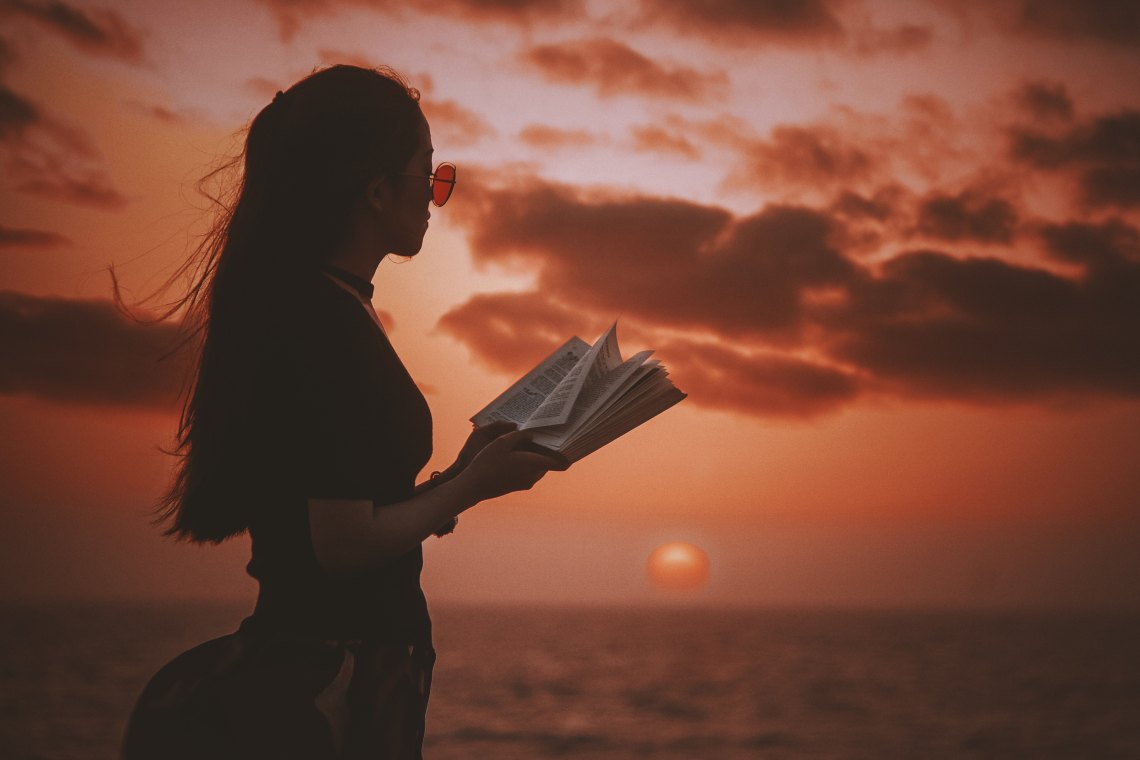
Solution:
(321, 311)
(326, 329)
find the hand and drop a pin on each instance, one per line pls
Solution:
(476, 442)
(502, 467)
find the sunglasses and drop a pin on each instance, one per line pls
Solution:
(442, 182)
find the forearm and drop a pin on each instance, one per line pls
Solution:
(351, 536)
(437, 478)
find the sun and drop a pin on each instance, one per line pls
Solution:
(678, 566)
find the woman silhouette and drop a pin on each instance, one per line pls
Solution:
(304, 428)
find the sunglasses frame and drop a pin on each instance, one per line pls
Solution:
(433, 179)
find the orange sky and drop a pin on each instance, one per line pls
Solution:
(891, 251)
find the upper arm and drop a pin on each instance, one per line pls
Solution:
(339, 528)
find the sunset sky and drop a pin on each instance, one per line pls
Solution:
(891, 250)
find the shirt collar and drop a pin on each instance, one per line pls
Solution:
(359, 284)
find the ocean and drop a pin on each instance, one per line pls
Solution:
(608, 684)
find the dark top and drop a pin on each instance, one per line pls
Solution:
(341, 418)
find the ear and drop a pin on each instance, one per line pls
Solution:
(377, 194)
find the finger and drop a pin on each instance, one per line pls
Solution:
(540, 462)
(514, 439)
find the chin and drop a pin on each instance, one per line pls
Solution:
(409, 250)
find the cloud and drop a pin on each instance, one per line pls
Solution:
(333, 57)
(778, 312)
(1103, 247)
(163, 114)
(54, 177)
(902, 39)
(939, 326)
(667, 261)
(655, 139)
(17, 237)
(879, 207)
(85, 351)
(95, 31)
(968, 215)
(7, 55)
(553, 138)
(17, 114)
(1046, 101)
(768, 384)
(749, 21)
(614, 68)
(44, 156)
(510, 332)
(808, 157)
(453, 124)
(1115, 21)
(264, 87)
(525, 13)
(1104, 153)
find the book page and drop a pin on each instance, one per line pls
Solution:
(602, 357)
(621, 423)
(598, 393)
(517, 403)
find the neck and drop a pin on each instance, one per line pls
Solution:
(360, 253)
(358, 262)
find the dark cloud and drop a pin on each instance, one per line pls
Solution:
(17, 237)
(745, 21)
(1116, 21)
(1106, 139)
(291, 13)
(552, 138)
(1046, 101)
(7, 55)
(744, 276)
(768, 384)
(17, 114)
(614, 68)
(935, 325)
(510, 332)
(810, 157)
(1104, 153)
(44, 156)
(93, 30)
(968, 215)
(775, 313)
(670, 262)
(1112, 186)
(85, 351)
(1103, 247)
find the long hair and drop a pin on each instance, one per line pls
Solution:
(308, 158)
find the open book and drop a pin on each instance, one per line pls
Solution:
(581, 397)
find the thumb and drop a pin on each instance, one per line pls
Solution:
(496, 429)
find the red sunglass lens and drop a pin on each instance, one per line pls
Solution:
(444, 183)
